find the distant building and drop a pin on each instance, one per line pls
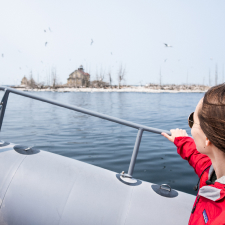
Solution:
(79, 78)
(24, 81)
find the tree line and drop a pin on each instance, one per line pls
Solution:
(102, 80)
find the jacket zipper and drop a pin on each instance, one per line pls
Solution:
(192, 211)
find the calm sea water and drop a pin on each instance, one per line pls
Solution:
(103, 143)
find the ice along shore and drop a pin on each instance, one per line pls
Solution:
(145, 89)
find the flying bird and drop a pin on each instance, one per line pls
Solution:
(44, 30)
(165, 60)
(46, 43)
(92, 41)
(111, 53)
(50, 29)
(2, 55)
(166, 45)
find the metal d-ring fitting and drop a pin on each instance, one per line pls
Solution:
(125, 175)
(162, 186)
(28, 148)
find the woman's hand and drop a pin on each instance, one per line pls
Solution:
(174, 134)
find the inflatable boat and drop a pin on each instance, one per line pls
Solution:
(42, 188)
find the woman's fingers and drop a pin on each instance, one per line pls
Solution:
(170, 138)
(178, 133)
(175, 133)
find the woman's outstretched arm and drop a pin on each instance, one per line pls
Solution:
(186, 148)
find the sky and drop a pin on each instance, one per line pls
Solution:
(128, 33)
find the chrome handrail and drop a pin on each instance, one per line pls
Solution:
(141, 128)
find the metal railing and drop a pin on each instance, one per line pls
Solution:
(141, 128)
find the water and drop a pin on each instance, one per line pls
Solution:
(103, 143)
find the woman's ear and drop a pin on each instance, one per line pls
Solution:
(207, 142)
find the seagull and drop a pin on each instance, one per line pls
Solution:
(166, 45)
(92, 41)
(46, 43)
(50, 29)
(111, 53)
(2, 55)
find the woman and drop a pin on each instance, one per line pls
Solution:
(206, 154)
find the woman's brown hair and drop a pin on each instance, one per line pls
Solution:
(212, 116)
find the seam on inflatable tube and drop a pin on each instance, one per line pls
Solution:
(11, 181)
(67, 200)
(128, 210)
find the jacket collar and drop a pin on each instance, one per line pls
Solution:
(220, 180)
(213, 192)
(211, 170)
(216, 191)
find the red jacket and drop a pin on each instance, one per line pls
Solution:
(209, 206)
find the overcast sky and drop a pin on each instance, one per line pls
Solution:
(131, 33)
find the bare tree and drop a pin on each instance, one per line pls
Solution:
(187, 78)
(101, 77)
(160, 77)
(216, 75)
(209, 78)
(121, 75)
(99, 81)
(54, 78)
(110, 78)
(31, 82)
(223, 74)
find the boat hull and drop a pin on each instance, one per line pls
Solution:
(45, 188)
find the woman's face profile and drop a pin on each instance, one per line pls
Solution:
(197, 133)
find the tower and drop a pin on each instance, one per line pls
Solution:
(81, 68)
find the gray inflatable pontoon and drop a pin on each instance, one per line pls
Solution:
(42, 188)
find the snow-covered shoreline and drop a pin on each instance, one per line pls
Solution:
(124, 89)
